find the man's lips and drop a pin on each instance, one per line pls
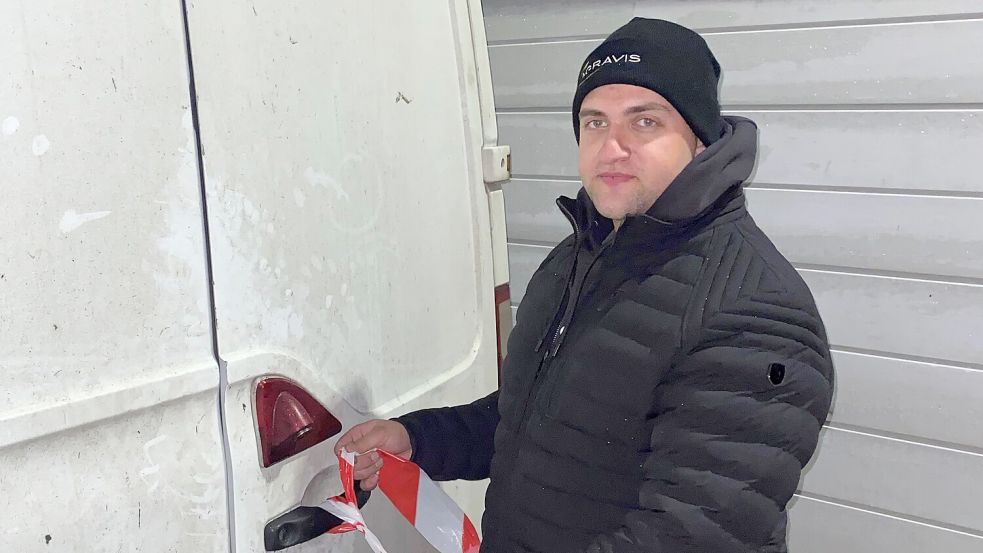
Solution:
(614, 179)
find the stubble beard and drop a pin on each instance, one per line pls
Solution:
(633, 204)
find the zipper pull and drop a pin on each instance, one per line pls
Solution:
(559, 340)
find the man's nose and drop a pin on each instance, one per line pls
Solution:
(615, 146)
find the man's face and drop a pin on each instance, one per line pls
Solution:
(633, 143)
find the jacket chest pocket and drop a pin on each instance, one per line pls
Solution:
(610, 370)
(602, 375)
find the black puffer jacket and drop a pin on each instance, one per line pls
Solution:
(663, 389)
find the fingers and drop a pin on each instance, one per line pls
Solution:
(343, 442)
(369, 483)
(367, 465)
(374, 438)
(348, 439)
(362, 438)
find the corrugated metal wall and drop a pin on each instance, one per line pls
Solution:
(871, 118)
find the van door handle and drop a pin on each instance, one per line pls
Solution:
(304, 524)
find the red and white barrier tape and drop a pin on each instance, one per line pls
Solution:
(431, 511)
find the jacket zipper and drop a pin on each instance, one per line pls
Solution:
(560, 335)
(577, 244)
(523, 418)
(565, 311)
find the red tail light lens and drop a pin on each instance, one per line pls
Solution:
(289, 420)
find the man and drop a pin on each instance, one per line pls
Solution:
(669, 373)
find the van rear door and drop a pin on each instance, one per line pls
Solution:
(110, 438)
(351, 228)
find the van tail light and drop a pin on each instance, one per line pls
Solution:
(503, 322)
(289, 420)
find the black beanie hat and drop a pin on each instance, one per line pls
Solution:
(664, 57)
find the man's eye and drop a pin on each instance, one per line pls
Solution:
(594, 124)
(647, 122)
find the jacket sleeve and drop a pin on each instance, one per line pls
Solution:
(452, 443)
(734, 428)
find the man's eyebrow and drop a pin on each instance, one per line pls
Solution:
(652, 106)
(641, 108)
(591, 113)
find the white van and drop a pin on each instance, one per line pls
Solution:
(230, 229)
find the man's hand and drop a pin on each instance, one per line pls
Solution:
(365, 438)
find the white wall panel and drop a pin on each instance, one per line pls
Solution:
(800, 67)
(899, 476)
(516, 20)
(817, 526)
(929, 401)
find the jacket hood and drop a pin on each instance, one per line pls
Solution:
(725, 164)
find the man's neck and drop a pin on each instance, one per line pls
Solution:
(614, 231)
